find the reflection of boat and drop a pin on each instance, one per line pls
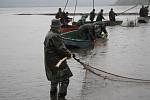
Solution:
(72, 40)
(143, 19)
(109, 23)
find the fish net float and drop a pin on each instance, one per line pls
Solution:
(110, 76)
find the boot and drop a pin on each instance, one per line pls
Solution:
(61, 98)
(53, 95)
(53, 98)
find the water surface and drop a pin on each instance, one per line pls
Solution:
(126, 52)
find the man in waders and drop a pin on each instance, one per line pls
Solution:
(112, 15)
(142, 11)
(100, 16)
(59, 14)
(54, 51)
(92, 15)
(100, 29)
(87, 32)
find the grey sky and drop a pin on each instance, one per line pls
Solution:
(29, 3)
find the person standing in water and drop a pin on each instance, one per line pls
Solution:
(112, 15)
(54, 51)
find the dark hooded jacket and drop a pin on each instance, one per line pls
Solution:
(54, 51)
(100, 16)
(112, 15)
(87, 32)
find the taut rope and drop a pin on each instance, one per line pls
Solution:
(65, 5)
(90, 68)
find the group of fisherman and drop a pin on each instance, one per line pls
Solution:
(86, 31)
(100, 16)
(63, 16)
(144, 11)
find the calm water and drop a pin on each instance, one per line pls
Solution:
(22, 73)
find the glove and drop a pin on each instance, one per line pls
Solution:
(68, 54)
(73, 55)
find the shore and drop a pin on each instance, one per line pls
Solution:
(72, 14)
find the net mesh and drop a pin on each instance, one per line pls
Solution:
(110, 76)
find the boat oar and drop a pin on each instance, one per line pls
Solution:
(60, 61)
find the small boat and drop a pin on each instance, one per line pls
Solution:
(108, 23)
(68, 28)
(143, 19)
(72, 40)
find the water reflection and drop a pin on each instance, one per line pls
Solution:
(121, 54)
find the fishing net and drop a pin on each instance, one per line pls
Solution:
(110, 76)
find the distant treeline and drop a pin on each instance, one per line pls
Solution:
(72, 14)
(132, 2)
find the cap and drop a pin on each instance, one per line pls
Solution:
(55, 23)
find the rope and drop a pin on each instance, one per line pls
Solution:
(65, 5)
(89, 68)
(128, 9)
(74, 11)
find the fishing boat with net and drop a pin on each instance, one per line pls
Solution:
(73, 39)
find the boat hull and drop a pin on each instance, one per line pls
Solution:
(143, 19)
(108, 23)
(76, 43)
(69, 28)
(72, 40)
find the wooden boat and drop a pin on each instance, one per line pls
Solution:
(72, 40)
(68, 28)
(109, 23)
(143, 19)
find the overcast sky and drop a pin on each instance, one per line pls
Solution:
(29, 3)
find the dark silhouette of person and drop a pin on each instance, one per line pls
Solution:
(100, 16)
(142, 11)
(59, 14)
(112, 15)
(92, 15)
(87, 32)
(100, 29)
(54, 51)
(65, 19)
(146, 11)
